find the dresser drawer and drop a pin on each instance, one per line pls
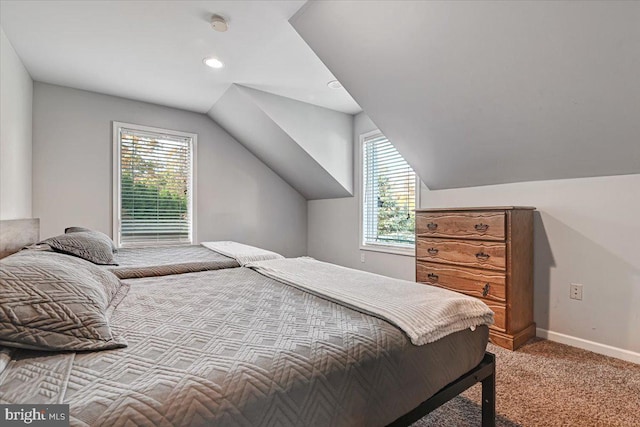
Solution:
(489, 255)
(499, 314)
(473, 282)
(464, 225)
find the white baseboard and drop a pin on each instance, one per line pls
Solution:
(607, 350)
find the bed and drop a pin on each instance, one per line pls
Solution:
(233, 346)
(165, 260)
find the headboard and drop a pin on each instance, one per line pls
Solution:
(17, 233)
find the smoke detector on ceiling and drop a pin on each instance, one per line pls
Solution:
(218, 23)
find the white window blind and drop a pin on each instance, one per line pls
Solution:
(155, 186)
(389, 195)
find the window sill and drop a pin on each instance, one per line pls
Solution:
(389, 250)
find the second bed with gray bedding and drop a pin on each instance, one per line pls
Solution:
(165, 260)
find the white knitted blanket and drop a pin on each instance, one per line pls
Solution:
(425, 313)
(241, 253)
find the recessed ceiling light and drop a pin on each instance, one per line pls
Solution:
(334, 84)
(213, 62)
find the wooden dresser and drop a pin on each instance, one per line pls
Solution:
(486, 253)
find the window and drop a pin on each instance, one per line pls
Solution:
(153, 186)
(388, 197)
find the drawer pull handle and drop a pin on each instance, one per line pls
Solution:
(485, 290)
(432, 276)
(432, 226)
(482, 256)
(433, 251)
(481, 227)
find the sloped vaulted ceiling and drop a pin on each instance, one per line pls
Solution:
(310, 147)
(475, 93)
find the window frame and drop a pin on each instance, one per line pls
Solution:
(378, 247)
(117, 189)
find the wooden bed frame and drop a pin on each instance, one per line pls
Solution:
(484, 373)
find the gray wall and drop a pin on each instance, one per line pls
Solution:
(333, 234)
(238, 197)
(16, 95)
(586, 231)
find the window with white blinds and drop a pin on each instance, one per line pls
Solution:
(389, 195)
(154, 186)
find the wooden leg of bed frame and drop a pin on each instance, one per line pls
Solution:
(489, 399)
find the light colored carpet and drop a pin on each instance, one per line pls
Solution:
(550, 384)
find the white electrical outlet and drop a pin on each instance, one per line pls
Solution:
(575, 291)
(361, 256)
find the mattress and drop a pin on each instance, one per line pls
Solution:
(165, 260)
(234, 348)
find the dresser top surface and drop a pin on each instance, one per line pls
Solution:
(481, 208)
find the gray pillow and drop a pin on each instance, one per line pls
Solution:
(76, 229)
(50, 301)
(81, 229)
(90, 245)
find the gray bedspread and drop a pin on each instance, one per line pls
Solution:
(234, 348)
(165, 260)
(424, 313)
